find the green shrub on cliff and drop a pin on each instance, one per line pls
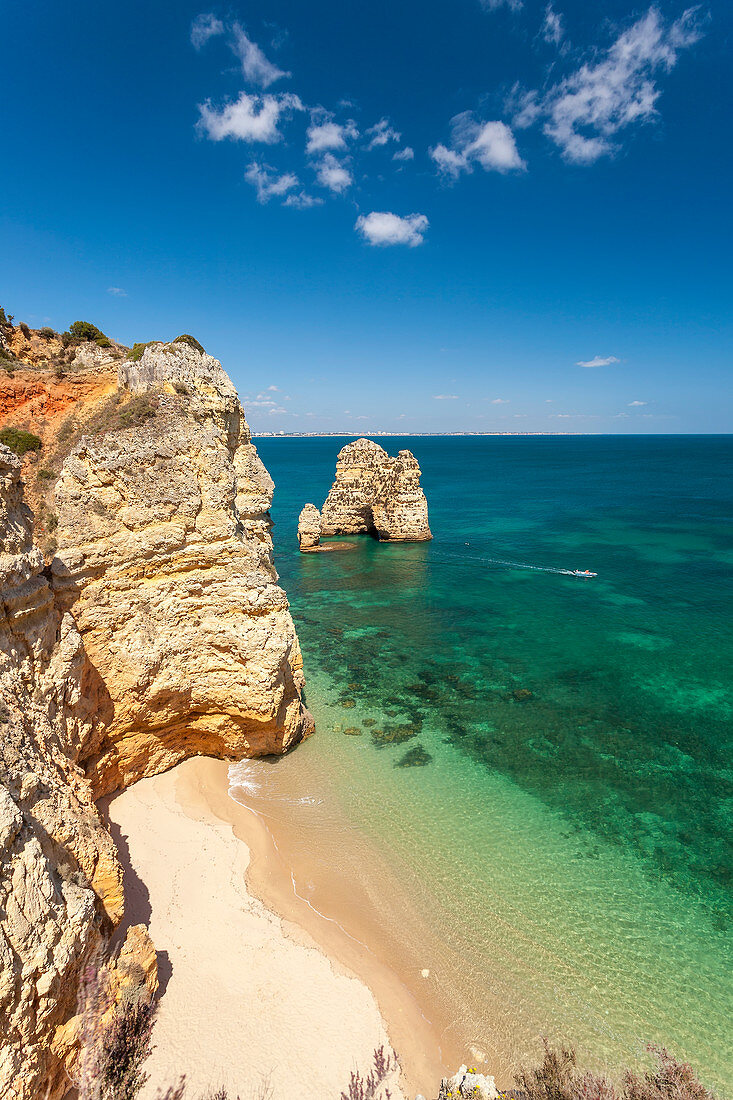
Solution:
(137, 351)
(85, 330)
(191, 341)
(20, 441)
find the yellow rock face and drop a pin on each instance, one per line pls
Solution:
(162, 634)
(376, 495)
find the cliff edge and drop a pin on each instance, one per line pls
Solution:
(157, 631)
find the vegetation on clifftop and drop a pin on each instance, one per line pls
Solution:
(19, 440)
(85, 330)
(137, 351)
(191, 341)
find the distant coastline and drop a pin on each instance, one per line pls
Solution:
(398, 435)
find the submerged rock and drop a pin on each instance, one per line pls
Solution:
(393, 735)
(416, 757)
(377, 495)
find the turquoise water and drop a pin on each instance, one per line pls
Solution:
(544, 760)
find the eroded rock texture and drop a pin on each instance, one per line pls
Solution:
(165, 556)
(309, 527)
(60, 881)
(377, 495)
(158, 631)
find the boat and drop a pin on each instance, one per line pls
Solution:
(582, 573)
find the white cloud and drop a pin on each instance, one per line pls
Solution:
(445, 397)
(274, 389)
(249, 118)
(404, 154)
(334, 174)
(268, 183)
(490, 144)
(598, 361)
(552, 28)
(584, 111)
(302, 201)
(499, 401)
(382, 133)
(494, 5)
(255, 66)
(637, 404)
(525, 107)
(385, 229)
(117, 291)
(324, 133)
(204, 27)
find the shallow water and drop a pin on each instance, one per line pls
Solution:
(543, 760)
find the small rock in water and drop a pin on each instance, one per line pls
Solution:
(348, 703)
(369, 722)
(352, 731)
(520, 694)
(354, 687)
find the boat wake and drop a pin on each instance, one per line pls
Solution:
(447, 556)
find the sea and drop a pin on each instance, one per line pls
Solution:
(541, 762)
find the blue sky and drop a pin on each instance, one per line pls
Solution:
(412, 216)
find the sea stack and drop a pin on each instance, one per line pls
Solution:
(309, 528)
(376, 495)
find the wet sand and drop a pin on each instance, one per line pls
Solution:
(258, 986)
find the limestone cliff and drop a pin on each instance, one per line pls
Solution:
(377, 495)
(158, 631)
(165, 556)
(60, 881)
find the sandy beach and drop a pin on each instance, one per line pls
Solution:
(250, 999)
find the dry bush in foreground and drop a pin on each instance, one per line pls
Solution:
(115, 1047)
(115, 1040)
(558, 1078)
